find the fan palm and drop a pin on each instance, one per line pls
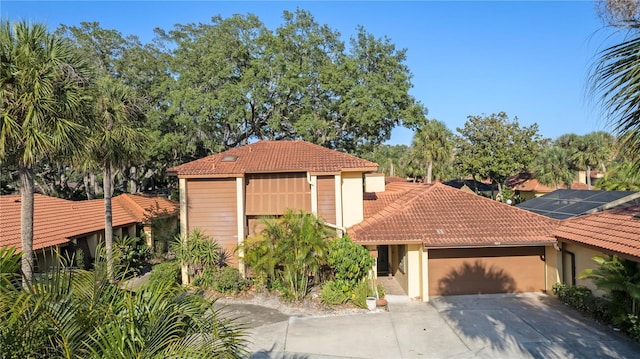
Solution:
(553, 167)
(433, 144)
(117, 139)
(42, 93)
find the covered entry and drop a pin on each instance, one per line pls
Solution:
(486, 270)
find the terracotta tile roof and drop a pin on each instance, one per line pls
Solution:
(527, 183)
(56, 220)
(439, 215)
(616, 230)
(274, 156)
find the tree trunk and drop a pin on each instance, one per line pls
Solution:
(108, 225)
(588, 177)
(133, 183)
(26, 224)
(429, 171)
(392, 170)
(94, 183)
(88, 188)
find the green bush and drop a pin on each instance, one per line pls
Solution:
(223, 280)
(349, 261)
(168, 272)
(131, 255)
(333, 293)
(360, 293)
(198, 251)
(289, 253)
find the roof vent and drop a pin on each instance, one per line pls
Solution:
(229, 158)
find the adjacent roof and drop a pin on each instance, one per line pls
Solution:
(525, 182)
(567, 203)
(441, 216)
(57, 220)
(616, 230)
(274, 156)
(472, 184)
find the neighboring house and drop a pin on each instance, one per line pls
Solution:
(611, 232)
(59, 222)
(438, 240)
(227, 194)
(527, 186)
(567, 203)
(474, 186)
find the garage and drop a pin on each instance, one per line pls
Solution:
(486, 270)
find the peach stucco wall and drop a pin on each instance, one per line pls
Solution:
(352, 200)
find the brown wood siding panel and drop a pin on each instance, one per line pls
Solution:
(327, 198)
(212, 207)
(486, 270)
(273, 194)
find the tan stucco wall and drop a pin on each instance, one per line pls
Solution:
(401, 276)
(553, 266)
(584, 260)
(352, 201)
(414, 266)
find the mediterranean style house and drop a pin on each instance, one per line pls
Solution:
(434, 239)
(60, 223)
(227, 194)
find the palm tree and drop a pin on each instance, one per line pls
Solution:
(553, 167)
(42, 93)
(433, 144)
(117, 139)
(81, 314)
(615, 81)
(620, 177)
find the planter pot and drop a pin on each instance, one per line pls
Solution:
(371, 303)
(381, 302)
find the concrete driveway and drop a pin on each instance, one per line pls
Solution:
(487, 326)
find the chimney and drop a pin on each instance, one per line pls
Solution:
(374, 182)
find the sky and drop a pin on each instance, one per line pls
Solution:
(530, 59)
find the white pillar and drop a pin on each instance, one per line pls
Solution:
(240, 186)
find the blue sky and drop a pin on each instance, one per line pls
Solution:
(529, 59)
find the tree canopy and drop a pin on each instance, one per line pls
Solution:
(495, 147)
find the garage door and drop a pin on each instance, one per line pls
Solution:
(486, 270)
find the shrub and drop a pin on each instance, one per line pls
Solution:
(333, 293)
(223, 280)
(360, 293)
(198, 251)
(168, 272)
(349, 261)
(289, 253)
(131, 255)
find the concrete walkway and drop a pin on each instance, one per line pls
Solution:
(489, 326)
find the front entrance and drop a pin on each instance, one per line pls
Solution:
(383, 260)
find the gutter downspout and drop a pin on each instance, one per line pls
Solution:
(573, 262)
(335, 226)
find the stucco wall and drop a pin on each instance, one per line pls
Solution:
(414, 266)
(399, 257)
(553, 267)
(352, 201)
(584, 260)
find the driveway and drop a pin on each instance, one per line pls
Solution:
(486, 326)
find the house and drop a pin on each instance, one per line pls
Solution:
(614, 231)
(60, 223)
(527, 186)
(438, 240)
(226, 194)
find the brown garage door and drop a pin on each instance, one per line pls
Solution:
(486, 270)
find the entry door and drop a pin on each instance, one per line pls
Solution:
(383, 260)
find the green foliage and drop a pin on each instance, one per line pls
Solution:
(289, 253)
(349, 261)
(613, 82)
(80, 314)
(621, 176)
(496, 147)
(198, 251)
(360, 293)
(553, 167)
(226, 280)
(620, 278)
(131, 255)
(168, 271)
(432, 146)
(334, 292)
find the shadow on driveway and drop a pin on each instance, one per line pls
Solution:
(512, 324)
